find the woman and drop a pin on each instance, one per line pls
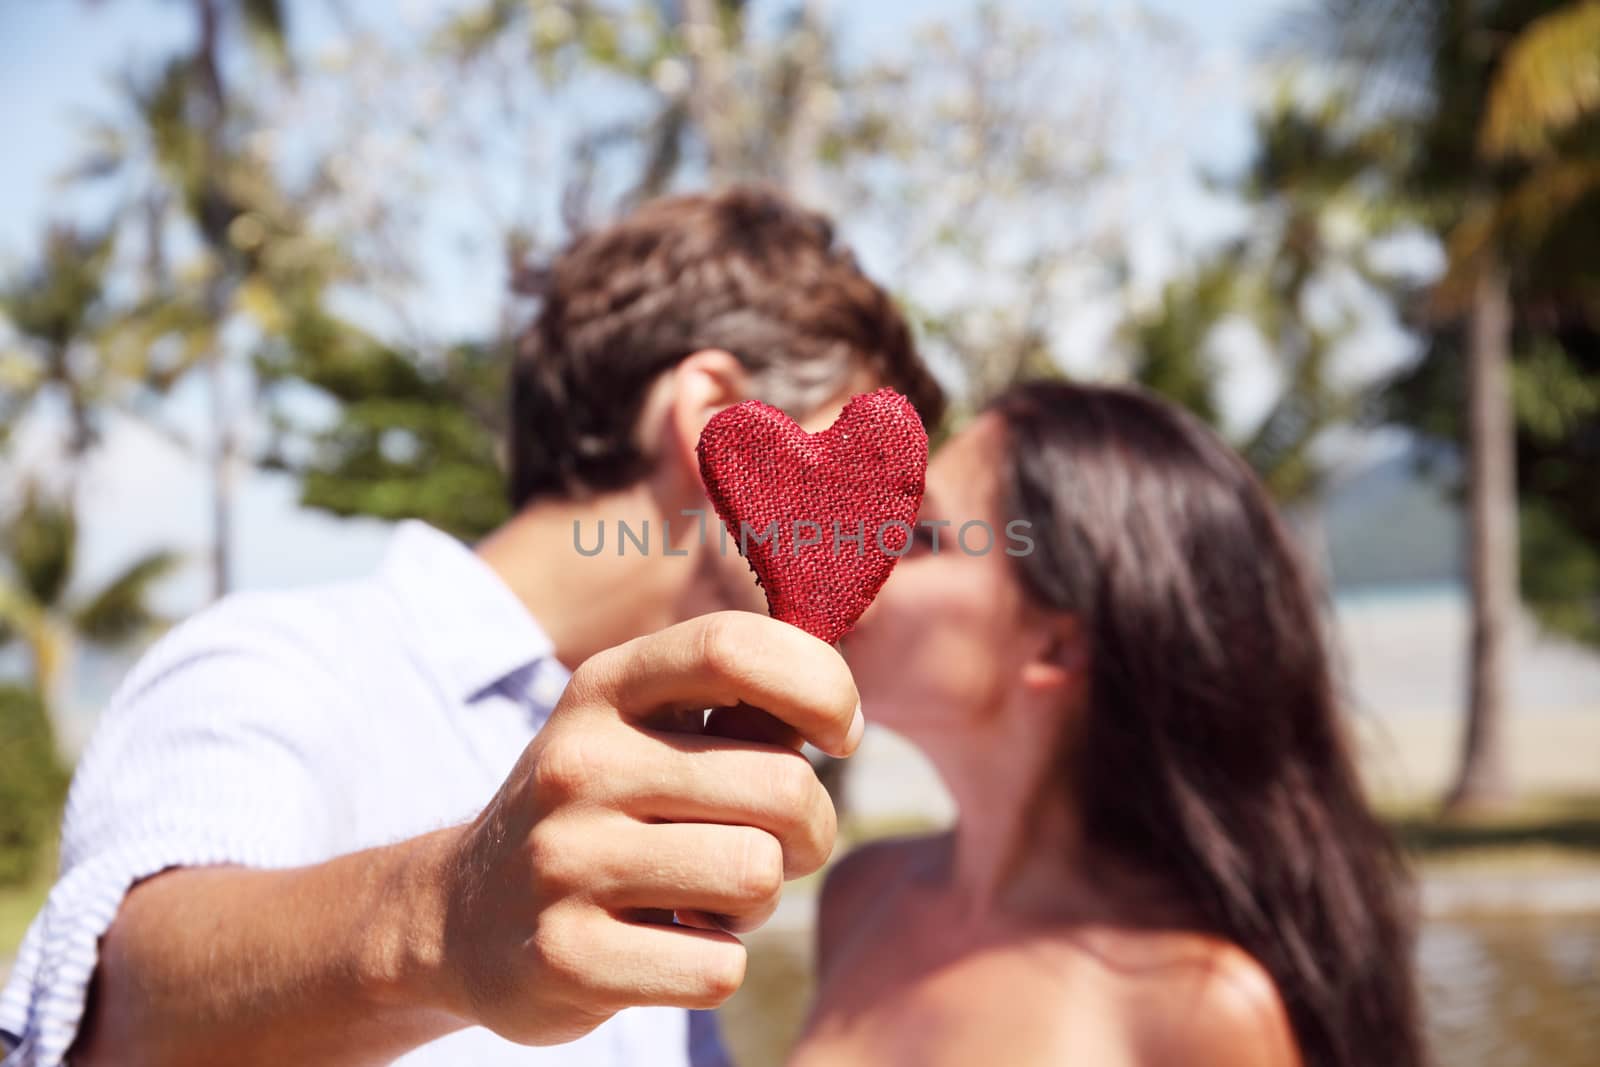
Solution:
(1162, 854)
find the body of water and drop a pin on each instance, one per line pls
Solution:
(1513, 991)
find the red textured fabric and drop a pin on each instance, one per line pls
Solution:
(863, 474)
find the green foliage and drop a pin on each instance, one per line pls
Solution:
(1169, 343)
(1402, 143)
(267, 23)
(1505, 167)
(120, 611)
(1556, 398)
(230, 248)
(1557, 394)
(38, 606)
(1320, 152)
(413, 438)
(33, 784)
(1547, 83)
(51, 302)
(1552, 395)
(39, 542)
(58, 309)
(1313, 169)
(1280, 448)
(1560, 573)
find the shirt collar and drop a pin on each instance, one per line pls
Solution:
(476, 630)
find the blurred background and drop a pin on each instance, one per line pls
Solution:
(260, 262)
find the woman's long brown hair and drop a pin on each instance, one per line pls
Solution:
(1214, 754)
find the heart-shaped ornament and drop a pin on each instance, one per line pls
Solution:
(821, 518)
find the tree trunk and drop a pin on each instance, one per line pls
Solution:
(1484, 780)
(221, 459)
(208, 59)
(51, 649)
(802, 140)
(711, 99)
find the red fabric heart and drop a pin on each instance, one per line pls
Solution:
(862, 475)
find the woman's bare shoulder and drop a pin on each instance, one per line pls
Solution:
(1211, 1003)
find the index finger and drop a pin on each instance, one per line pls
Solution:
(732, 657)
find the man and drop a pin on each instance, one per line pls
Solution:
(443, 814)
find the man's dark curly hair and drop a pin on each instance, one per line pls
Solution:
(744, 270)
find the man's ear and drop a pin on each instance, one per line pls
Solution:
(698, 387)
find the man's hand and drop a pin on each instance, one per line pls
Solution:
(542, 917)
(559, 896)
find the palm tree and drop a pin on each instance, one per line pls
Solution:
(39, 608)
(58, 313)
(1309, 175)
(751, 110)
(1496, 97)
(61, 356)
(184, 152)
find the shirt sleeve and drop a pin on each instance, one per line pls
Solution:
(705, 1041)
(219, 748)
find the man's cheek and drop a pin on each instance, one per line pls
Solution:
(743, 591)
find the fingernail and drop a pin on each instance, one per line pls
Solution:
(858, 726)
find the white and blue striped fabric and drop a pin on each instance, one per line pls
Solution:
(281, 729)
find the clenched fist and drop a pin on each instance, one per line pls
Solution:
(560, 896)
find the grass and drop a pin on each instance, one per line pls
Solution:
(20, 903)
(1537, 833)
(1553, 832)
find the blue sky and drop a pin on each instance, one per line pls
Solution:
(59, 60)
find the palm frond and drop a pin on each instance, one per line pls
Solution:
(52, 301)
(39, 541)
(1380, 48)
(1546, 198)
(105, 154)
(268, 24)
(20, 615)
(160, 339)
(1548, 81)
(1519, 220)
(21, 377)
(121, 610)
